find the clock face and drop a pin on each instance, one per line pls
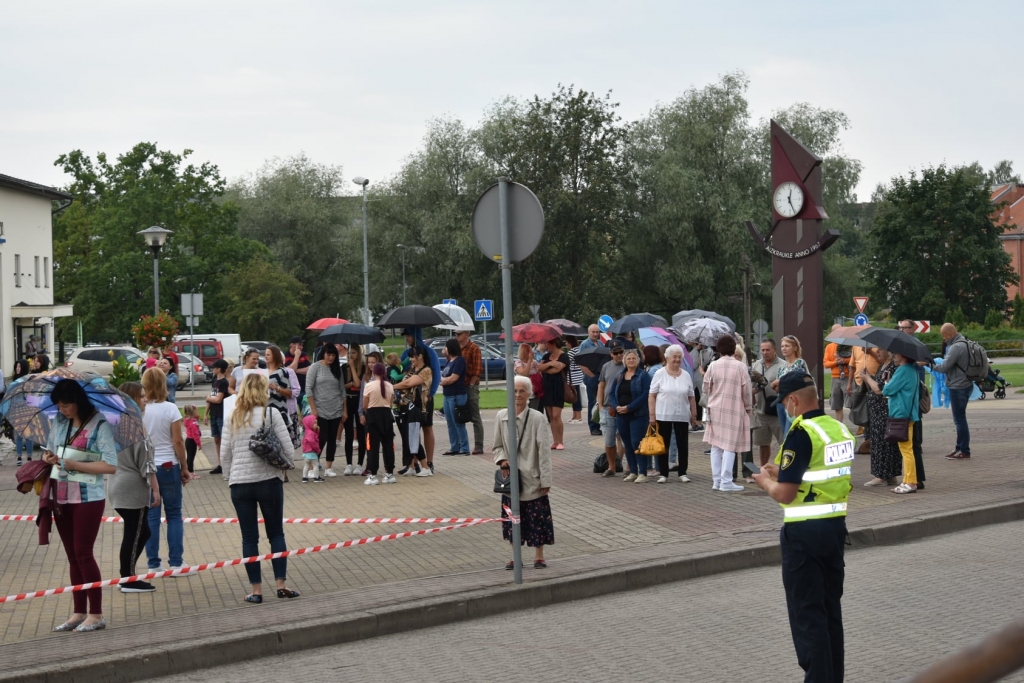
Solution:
(789, 199)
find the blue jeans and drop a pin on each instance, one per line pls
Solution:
(591, 384)
(784, 420)
(26, 444)
(958, 399)
(169, 479)
(458, 437)
(633, 429)
(269, 496)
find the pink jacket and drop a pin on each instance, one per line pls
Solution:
(311, 437)
(729, 399)
(192, 430)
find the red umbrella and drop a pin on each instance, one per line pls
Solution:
(534, 333)
(324, 323)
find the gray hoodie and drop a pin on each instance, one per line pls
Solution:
(954, 366)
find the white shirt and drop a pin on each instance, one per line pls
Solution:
(673, 403)
(159, 419)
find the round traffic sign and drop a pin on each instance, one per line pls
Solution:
(604, 322)
(860, 319)
(525, 222)
(761, 326)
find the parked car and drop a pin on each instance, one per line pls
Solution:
(231, 345)
(207, 350)
(260, 346)
(192, 371)
(493, 359)
(100, 359)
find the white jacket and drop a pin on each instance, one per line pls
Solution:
(241, 465)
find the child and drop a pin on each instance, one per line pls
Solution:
(310, 450)
(395, 372)
(193, 438)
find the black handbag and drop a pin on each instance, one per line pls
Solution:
(503, 483)
(267, 447)
(897, 429)
(601, 464)
(463, 413)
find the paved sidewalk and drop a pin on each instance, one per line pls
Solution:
(599, 523)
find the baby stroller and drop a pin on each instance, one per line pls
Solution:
(994, 383)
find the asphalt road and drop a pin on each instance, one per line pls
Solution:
(905, 607)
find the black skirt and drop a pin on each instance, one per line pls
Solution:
(537, 527)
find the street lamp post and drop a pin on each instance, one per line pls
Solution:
(155, 238)
(402, 247)
(363, 182)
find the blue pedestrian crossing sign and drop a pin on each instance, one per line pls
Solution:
(450, 302)
(860, 319)
(604, 322)
(483, 310)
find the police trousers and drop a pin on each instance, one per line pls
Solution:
(812, 574)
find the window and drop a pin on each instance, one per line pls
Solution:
(46, 272)
(37, 278)
(93, 355)
(17, 270)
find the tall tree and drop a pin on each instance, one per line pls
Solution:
(934, 242)
(264, 302)
(103, 267)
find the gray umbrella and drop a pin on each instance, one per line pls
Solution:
(682, 317)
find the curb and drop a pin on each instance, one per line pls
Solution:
(186, 656)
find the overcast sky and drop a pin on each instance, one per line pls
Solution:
(353, 84)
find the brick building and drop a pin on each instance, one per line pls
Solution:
(1011, 214)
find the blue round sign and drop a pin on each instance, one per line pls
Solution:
(860, 319)
(604, 322)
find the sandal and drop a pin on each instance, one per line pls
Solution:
(285, 593)
(255, 599)
(608, 473)
(905, 488)
(540, 564)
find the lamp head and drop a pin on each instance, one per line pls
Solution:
(361, 181)
(155, 236)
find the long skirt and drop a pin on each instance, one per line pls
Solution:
(537, 527)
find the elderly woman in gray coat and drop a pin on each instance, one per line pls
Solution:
(532, 437)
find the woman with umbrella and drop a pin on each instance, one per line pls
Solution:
(553, 367)
(80, 499)
(885, 455)
(21, 369)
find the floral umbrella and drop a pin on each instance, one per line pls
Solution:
(27, 406)
(706, 331)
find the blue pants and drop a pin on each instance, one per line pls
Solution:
(24, 443)
(812, 574)
(458, 437)
(633, 429)
(169, 479)
(269, 496)
(958, 399)
(591, 384)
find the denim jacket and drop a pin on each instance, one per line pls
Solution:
(639, 386)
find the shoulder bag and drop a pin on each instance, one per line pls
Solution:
(267, 447)
(897, 429)
(570, 389)
(464, 413)
(858, 405)
(502, 482)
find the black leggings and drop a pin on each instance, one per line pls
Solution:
(354, 428)
(136, 533)
(681, 432)
(190, 454)
(380, 426)
(328, 436)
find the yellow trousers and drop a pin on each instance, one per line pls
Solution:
(907, 451)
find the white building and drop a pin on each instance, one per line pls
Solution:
(26, 268)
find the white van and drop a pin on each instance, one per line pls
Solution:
(231, 343)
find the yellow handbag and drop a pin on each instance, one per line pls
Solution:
(652, 444)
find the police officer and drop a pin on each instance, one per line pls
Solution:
(811, 480)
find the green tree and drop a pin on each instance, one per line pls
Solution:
(934, 241)
(103, 267)
(956, 316)
(993, 320)
(264, 301)
(1017, 322)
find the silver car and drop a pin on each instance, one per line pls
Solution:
(100, 359)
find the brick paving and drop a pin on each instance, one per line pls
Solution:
(599, 523)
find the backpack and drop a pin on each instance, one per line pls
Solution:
(924, 399)
(977, 368)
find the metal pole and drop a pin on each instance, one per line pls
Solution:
(746, 306)
(192, 338)
(366, 267)
(486, 380)
(156, 281)
(506, 300)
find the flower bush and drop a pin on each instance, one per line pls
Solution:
(158, 330)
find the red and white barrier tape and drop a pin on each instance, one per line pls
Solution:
(300, 520)
(229, 563)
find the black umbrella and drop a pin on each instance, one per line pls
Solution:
(414, 315)
(634, 321)
(351, 333)
(896, 341)
(568, 327)
(682, 316)
(593, 358)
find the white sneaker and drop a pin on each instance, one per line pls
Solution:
(349, 471)
(642, 479)
(389, 479)
(714, 487)
(188, 571)
(629, 477)
(408, 472)
(662, 480)
(683, 478)
(425, 472)
(330, 472)
(372, 480)
(730, 486)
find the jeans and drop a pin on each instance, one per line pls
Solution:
(269, 496)
(353, 429)
(633, 429)
(24, 443)
(169, 479)
(458, 437)
(812, 574)
(958, 404)
(577, 405)
(591, 384)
